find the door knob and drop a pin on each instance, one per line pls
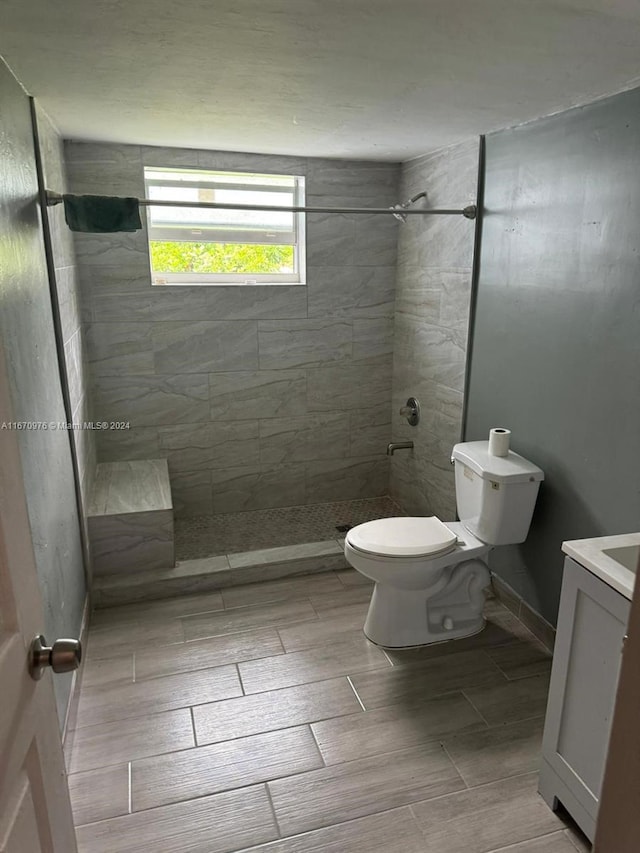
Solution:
(62, 656)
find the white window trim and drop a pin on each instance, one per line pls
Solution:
(297, 239)
(239, 279)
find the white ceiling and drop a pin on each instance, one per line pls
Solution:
(377, 79)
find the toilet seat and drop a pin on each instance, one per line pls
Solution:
(410, 536)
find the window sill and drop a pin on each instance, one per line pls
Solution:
(248, 283)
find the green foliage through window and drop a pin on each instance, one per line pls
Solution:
(221, 258)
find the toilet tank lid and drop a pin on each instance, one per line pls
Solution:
(404, 536)
(512, 468)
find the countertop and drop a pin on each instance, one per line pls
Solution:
(590, 553)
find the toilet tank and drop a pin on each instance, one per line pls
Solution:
(495, 495)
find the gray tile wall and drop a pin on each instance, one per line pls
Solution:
(433, 288)
(72, 317)
(258, 396)
(29, 353)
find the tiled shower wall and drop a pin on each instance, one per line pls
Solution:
(62, 565)
(433, 290)
(259, 396)
(73, 327)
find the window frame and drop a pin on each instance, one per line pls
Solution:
(164, 234)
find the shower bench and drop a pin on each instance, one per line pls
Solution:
(130, 517)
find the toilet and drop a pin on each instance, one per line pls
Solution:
(431, 576)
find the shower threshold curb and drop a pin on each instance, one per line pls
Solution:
(210, 573)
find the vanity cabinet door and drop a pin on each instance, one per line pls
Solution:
(592, 623)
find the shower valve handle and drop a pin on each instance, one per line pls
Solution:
(411, 411)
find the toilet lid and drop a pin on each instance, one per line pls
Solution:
(410, 536)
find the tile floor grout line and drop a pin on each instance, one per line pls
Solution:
(192, 702)
(356, 671)
(361, 703)
(492, 726)
(341, 823)
(99, 767)
(423, 832)
(517, 844)
(457, 769)
(266, 603)
(315, 740)
(569, 835)
(244, 786)
(193, 726)
(147, 713)
(341, 581)
(201, 746)
(226, 609)
(515, 641)
(483, 651)
(384, 652)
(475, 708)
(284, 651)
(188, 800)
(152, 678)
(482, 784)
(258, 734)
(273, 809)
(243, 631)
(315, 610)
(120, 654)
(244, 692)
(512, 678)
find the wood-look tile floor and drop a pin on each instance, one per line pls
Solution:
(260, 719)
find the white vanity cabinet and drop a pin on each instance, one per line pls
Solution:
(592, 624)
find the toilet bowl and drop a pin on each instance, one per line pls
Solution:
(431, 592)
(430, 576)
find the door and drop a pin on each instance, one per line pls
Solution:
(35, 813)
(618, 828)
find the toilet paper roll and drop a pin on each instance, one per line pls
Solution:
(499, 439)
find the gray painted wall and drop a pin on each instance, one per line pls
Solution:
(26, 331)
(556, 349)
(433, 286)
(258, 396)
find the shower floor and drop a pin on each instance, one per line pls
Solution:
(233, 532)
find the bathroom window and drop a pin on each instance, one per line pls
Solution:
(209, 246)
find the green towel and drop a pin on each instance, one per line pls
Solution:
(101, 214)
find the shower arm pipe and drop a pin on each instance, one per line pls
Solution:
(468, 212)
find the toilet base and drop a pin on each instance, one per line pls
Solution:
(432, 642)
(400, 618)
